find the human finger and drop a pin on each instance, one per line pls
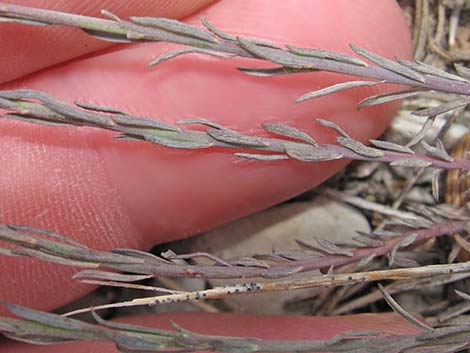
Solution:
(27, 49)
(107, 193)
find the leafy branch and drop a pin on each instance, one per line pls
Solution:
(290, 59)
(40, 327)
(426, 223)
(37, 107)
(317, 254)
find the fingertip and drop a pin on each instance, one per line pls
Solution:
(304, 23)
(26, 49)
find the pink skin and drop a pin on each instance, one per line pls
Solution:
(107, 193)
(26, 49)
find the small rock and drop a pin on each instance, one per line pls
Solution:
(276, 229)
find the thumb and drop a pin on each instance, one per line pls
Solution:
(107, 193)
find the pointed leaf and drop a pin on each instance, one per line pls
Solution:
(388, 97)
(289, 131)
(334, 88)
(174, 26)
(389, 64)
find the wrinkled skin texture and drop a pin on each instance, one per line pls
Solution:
(108, 193)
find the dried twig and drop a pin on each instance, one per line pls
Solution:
(322, 281)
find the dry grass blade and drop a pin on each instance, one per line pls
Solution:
(455, 182)
(422, 132)
(462, 71)
(408, 240)
(368, 205)
(436, 174)
(392, 255)
(443, 108)
(398, 309)
(463, 295)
